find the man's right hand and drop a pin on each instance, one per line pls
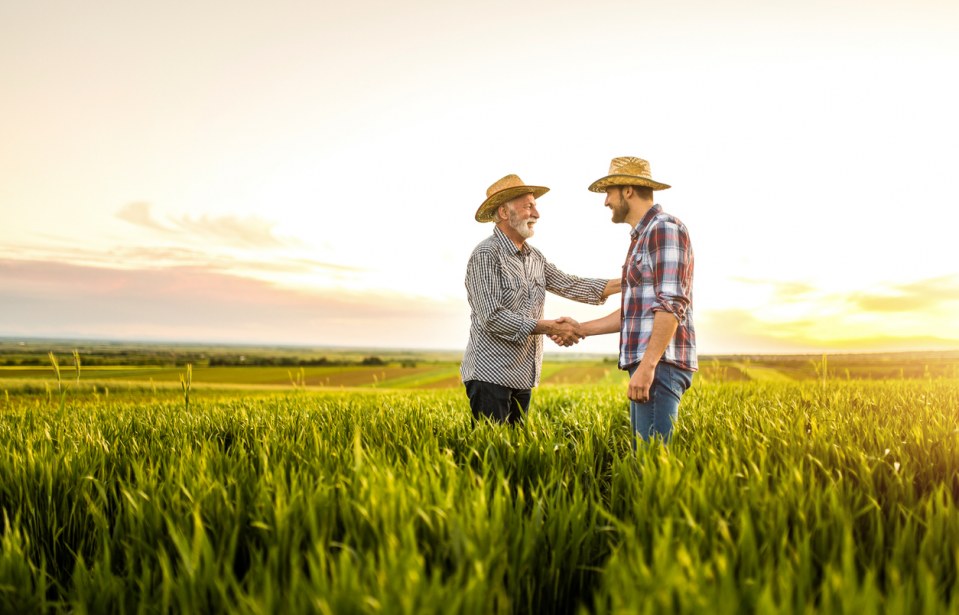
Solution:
(566, 331)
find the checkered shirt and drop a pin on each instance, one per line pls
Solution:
(506, 289)
(658, 277)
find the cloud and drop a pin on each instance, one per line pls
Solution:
(920, 295)
(739, 331)
(793, 290)
(155, 257)
(201, 302)
(250, 232)
(783, 290)
(888, 303)
(185, 257)
(139, 214)
(183, 303)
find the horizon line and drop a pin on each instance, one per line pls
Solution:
(405, 349)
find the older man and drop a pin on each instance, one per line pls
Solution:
(655, 321)
(506, 283)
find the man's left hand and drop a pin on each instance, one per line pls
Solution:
(640, 383)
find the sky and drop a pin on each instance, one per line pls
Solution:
(307, 173)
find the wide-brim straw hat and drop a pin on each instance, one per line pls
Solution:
(627, 171)
(502, 190)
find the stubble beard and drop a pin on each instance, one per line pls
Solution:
(620, 210)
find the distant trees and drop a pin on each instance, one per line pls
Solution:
(228, 360)
(160, 358)
(28, 361)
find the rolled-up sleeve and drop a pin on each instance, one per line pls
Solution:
(485, 293)
(584, 290)
(672, 264)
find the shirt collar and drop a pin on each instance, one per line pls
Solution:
(654, 211)
(507, 244)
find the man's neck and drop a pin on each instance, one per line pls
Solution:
(637, 210)
(517, 239)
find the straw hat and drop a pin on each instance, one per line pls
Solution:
(627, 171)
(503, 190)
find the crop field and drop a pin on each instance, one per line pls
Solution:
(359, 484)
(272, 491)
(431, 372)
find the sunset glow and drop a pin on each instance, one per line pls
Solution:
(307, 173)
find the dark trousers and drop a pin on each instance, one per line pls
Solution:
(496, 402)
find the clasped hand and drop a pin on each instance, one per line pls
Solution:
(566, 331)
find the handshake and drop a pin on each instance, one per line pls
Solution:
(565, 331)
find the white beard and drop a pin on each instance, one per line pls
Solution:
(522, 227)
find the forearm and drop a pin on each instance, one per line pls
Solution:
(612, 287)
(549, 327)
(664, 327)
(575, 288)
(607, 324)
(509, 325)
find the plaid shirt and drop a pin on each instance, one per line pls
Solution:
(506, 289)
(658, 277)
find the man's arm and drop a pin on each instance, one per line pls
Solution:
(562, 330)
(607, 324)
(485, 296)
(612, 287)
(672, 262)
(485, 293)
(584, 290)
(664, 327)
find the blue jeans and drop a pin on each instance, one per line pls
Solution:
(655, 417)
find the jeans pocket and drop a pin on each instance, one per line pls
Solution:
(683, 380)
(675, 379)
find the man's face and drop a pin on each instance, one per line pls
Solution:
(523, 215)
(617, 203)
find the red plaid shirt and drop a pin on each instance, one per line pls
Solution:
(658, 277)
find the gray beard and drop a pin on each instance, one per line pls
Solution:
(520, 226)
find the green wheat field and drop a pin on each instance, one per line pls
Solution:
(164, 482)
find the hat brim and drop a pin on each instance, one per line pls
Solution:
(600, 185)
(485, 211)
